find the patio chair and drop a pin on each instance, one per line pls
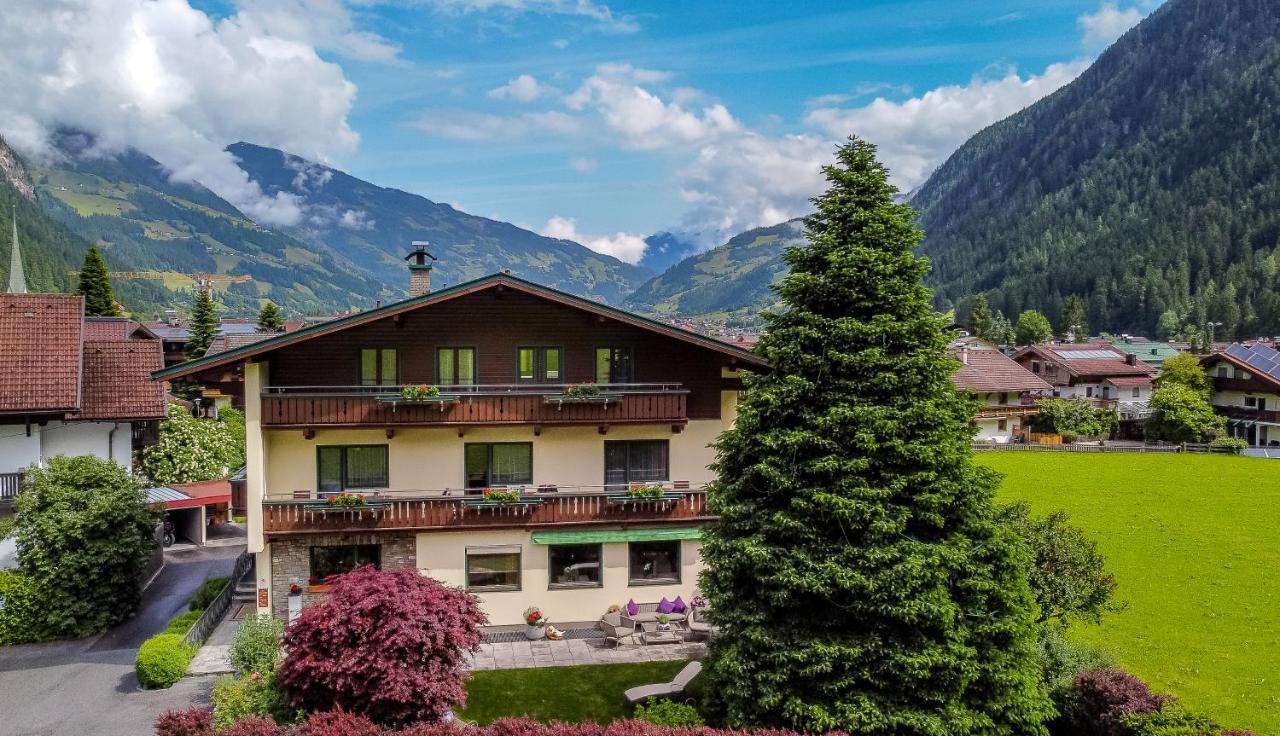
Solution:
(667, 689)
(699, 626)
(615, 632)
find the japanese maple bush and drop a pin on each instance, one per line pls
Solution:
(386, 644)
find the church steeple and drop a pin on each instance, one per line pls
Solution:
(17, 277)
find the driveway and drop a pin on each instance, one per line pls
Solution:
(87, 687)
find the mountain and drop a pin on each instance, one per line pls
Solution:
(664, 250)
(371, 227)
(728, 283)
(1150, 185)
(48, 247)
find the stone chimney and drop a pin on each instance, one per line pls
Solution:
(419, 269)
(1131, 358)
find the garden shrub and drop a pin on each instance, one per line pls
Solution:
(342, 653)
(208, 590)
(669, 713)
(256, 644)
(337, 723)
(238, 698)
(254, 726)
(20, 619)
(187, 722)
(1234, 445)
(1099, 701)
(1170, 720)
(190, 449)
(1068, 575)
(1073, 419)
(162, 660)
(183, 622)
(1063, 659)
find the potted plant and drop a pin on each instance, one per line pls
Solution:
(535, 624)
(664, 622)
(295, 589)
(419, 393)
(346, 500)
(649, 492)
(495, 496)
(581, 391)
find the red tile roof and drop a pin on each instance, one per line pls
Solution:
(1090, 359)
(40, 337)
(117, 380)
(114, 328)
(991, 371)
(1129, 380)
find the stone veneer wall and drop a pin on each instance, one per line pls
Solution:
(291, 561)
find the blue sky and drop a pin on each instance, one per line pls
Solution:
(598, 120)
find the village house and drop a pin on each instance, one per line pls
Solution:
(1246, 389)
(1008, 391)
(534, 447)
(1098, 372)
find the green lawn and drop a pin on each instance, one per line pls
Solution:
(573, 694)
(1194, 542)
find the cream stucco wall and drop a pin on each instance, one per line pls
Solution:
(443, 557)
(1236, 398)
(107, 440)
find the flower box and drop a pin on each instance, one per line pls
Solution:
(665, 497)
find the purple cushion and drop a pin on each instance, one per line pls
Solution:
(678, 606)
(632, 608)
(666, 606)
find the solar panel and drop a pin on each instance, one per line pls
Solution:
(1259, 357)
(1088, 355)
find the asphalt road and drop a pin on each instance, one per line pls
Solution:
(87, 688)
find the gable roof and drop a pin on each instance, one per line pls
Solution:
(1089, 359)
(117, 380)
(115, 328)
(991, 371)
(40, 341)
(1261, 361)
(493, 281)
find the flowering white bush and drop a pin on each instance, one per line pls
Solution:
(192, 449)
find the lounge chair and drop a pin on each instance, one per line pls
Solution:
(615, 632)
(699, 626)
(675, 687)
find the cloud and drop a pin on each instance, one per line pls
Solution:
(589, 9)
(915, 136)
(167, 79)
(583, 164)
(623, 246)
(356, 220)
(645, 120)
(463, 125)
(524, 88)
(561, 43)
(324, 24)
(1102, 27)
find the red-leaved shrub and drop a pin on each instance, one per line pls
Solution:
(254, 726)
(186, 722)
(337, 723)
(1100, 698)
(386, 644)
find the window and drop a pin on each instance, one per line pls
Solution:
(1137, 392)
(1004, 397)
(1244, 376)
(574, 565)
(499, 464)
(540, 365)
(493, 568)
(636, 461)
(350, 467)
(613, 365)
(1002, 425)
(1251, 402)
(1224, 371)
(337, 559)
(455, 366)
(1088, 392)
(379, 367)
(1035, 366)
(654, 562)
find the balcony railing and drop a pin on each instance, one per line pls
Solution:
(478, 404)
(1001, 411)
(459, 510)
(10, 484)
(1248, 413)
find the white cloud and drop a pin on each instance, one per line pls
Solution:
(324, 24)
(463, 125)
(167, 79)
(356, 220)
(589, 9)
(642, 118)
(583, 164)
(623, 246)
(915, 136)
(561, 43)
(524, 88)
(1107, 24)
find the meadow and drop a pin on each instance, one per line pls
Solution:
(1194, 543)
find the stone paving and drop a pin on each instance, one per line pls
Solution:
(544, 653)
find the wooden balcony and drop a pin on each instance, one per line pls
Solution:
(382, 406)
(1007, 411)
(1247, 414)
(435, 511)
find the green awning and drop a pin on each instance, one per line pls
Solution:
(605, 536)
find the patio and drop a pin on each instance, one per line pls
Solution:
(508, 655)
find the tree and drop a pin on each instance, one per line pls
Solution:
(1001, 330)
(85, 536)
(1168, 324)
(204, 325)
(341, 652)
(1184, 369)
(1075, 320)
(95, 286)
(1032, 328)
(859, 574)
(1068, 575)
(1073, 418)
(191, 449)
(269, 318)
(980, 317)
(1180, 413)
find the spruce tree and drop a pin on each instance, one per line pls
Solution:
(859, 574)
(980, 317)
(95, 285)
(269, 318)
(1075, 321)
(204, 325)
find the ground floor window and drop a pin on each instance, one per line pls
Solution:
(493, 569)
(574, 565)
(331, 560)
(654, 562)
(499, 464)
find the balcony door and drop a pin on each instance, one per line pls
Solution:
(540, 365)
(613, 365)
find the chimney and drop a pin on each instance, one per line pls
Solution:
(1131, 358)
(964, 355)
(419, 269)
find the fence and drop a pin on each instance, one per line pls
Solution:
(1133, 448)
(201, 630)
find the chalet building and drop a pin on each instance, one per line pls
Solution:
(1246, 389)
(1151, 352)
(71, 385)
(592, 424)
(1007, 390)
(1098, 372)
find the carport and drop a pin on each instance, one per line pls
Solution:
(193, 507)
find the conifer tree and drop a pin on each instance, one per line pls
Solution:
(269, 318)
(204, 325)
(980, 317)
(95, 285)
(859, 574)
(1075, 321)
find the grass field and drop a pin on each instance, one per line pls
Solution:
(572, 694)
(1194, 542)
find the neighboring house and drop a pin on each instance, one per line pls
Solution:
(1246, 389)
(1148, 351)
(1098, 372)
(233, 331)
(71, 385)
(325, 416)
(1007, 390)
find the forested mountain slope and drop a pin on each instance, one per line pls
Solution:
(1150, 185)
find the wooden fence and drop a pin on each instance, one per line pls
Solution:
(200, 630)
(1132, 448)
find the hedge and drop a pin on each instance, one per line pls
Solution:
(208, 590)
(20, 621)
(183, 622)
(162, 660)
